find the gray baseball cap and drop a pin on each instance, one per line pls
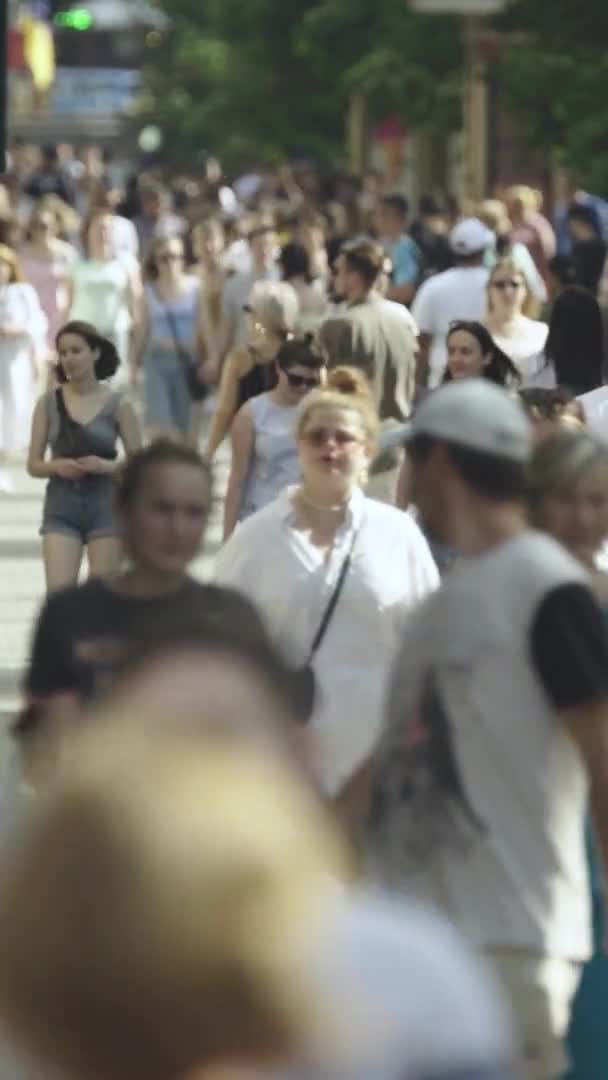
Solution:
(476, 414)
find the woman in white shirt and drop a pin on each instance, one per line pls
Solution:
(105, 288)
(288, 559)
(23, 327)
(521, 338)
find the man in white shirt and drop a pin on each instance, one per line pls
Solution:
(459, 293)
(496, 733)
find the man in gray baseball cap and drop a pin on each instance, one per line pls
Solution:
(496, 722)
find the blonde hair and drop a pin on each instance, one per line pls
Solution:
(182, 897)
(9, 256)
(495, 215)
(275, 304)
(345, 388)
(559, 463)
(509, 265)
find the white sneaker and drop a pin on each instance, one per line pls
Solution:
(7, 486)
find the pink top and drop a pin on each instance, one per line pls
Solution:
(49, 278)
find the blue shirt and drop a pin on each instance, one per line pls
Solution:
(405, 257)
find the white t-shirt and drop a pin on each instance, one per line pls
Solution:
(459, 293)
(525, 347)
(495, 839)
(291, 582)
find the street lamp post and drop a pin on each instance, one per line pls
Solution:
(475, 90)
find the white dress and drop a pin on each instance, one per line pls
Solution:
(526, 348)
(19, 354)
(291, 582)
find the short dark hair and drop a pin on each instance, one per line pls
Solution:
(564, 268)
(108, 361)
(240, 634)
(294, 261)
(365, 257)
(492, 476)
(128, 479)
(302, 351)
(397, 203)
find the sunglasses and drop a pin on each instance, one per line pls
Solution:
(320, 436)
(297, 382)
(511, 283)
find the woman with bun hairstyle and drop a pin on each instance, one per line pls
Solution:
(81, 423)
(264, 451)
(320, 541)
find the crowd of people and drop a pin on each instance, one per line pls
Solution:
(398, 676)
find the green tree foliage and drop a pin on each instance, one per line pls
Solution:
(260, 79)
(272, 77)
(556, 82)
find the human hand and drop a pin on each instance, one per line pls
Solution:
(67, 469)
(93, 464)
(11, 329)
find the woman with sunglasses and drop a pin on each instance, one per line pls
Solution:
(46, 262)
(291, 557)
(264, 451)
(167, 340)
(523, 339)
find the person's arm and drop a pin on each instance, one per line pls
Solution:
(404, 485)
(128, 427)
(36, 464)
(227, 400)
(423, 361)
(242, 435)
(138, 341)
(401, 294)
(569, 645)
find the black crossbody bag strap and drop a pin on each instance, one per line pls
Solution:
(182, 355)
(332, 603)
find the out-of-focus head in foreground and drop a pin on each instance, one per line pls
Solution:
(173, 932)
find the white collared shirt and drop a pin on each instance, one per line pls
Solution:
(291, 582)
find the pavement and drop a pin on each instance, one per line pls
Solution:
(22, 576)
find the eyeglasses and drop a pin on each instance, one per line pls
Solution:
(510, 283)
(299, 381)
(170, 256)
(320, 436)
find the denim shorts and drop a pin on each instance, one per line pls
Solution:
(81, 508)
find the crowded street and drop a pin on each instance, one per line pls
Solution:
(303, 540)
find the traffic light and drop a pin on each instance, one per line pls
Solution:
(73, 19)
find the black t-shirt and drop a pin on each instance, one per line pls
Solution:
(569, 645)
(85, 632)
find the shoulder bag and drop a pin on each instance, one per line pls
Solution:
(305, 681)
(196, 387)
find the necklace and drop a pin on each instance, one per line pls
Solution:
(329, 508)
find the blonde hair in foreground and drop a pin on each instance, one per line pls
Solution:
(158, 914)
(346, 388)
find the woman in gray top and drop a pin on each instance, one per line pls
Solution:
(81, 423)
(264, 453)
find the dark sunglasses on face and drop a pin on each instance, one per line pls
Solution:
(320, 436)
(297, 382)
(510, 283)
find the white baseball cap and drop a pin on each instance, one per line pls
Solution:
(471, 236)
(477, 414)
